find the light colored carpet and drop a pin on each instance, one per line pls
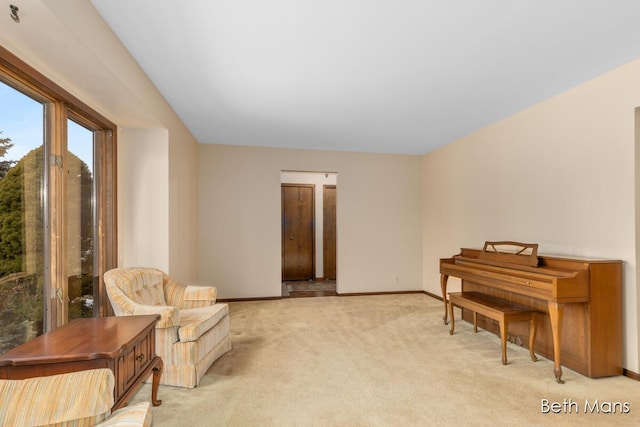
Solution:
(384, 360)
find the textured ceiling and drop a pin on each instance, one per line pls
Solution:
(389, 76)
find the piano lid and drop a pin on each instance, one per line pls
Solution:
(516, 256)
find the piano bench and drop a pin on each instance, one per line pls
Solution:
(498, 309)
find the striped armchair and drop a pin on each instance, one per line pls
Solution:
(75, 399)
(193, 331)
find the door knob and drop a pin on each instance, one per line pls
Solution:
(291, 238)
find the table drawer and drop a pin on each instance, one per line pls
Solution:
(134, 360)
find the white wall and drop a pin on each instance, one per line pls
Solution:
(157, 202)
(378, 218)
(183, 205)
(143, 208)
(319, 180)
(560, 173)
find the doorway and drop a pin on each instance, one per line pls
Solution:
(308, 233)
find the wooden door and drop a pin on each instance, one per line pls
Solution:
(329, 233)
(298, 240)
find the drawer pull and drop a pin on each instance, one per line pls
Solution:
(140, 358)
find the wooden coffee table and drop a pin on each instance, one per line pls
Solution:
(126, 345)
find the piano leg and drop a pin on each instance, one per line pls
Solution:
(556, 314)
(475, 322)
(503, 339)
(532, 336)
(453, 320)
(443, 287)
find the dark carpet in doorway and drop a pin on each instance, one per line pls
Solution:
(311, 287)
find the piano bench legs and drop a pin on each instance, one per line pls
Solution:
(497, 309)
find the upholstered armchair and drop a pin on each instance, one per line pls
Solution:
(193, 331)
(75, 399)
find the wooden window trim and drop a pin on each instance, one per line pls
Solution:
(39, 85)
(21, 76)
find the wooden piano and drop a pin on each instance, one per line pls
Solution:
(580, 301)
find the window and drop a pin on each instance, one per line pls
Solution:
(80, 224)
(57, 205)
(21, 218)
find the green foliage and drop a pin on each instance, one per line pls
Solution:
(5, 144)
(5, 165)
(21, 303)
(11, 236)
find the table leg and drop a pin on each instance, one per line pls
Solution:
(556, 314)
(155, 382)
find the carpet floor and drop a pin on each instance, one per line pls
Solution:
(382, 360)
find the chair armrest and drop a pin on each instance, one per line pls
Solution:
(169, 315)
(183, 296)
(73, 398)
(200, 296)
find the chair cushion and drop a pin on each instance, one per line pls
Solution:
(143, 285)
(196, 321)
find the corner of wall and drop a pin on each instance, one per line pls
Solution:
(636, 344)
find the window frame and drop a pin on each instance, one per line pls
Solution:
(60, 105)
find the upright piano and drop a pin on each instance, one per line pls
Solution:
(580, 301)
